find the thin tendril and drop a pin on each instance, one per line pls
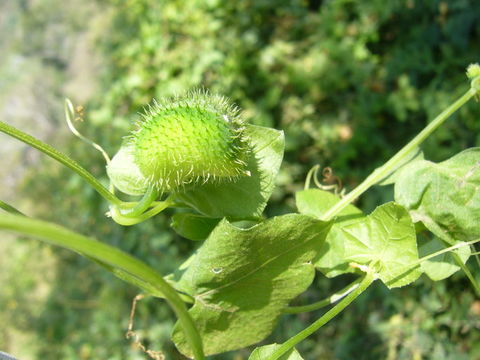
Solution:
(312, 172)
(69, 115)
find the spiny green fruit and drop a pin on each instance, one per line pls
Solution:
(190, 139)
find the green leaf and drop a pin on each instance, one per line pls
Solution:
(193, 226)
(125, 174)
(241, 279)
(386, 236)
(444, 265)
(247, 196)
(444, 196)
(316, 202)
(262, 353)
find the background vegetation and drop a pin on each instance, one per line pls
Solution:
(349, 82)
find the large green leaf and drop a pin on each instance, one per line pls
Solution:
(387, 236)
(241, 279)
(262, 353)
(248, 196)
(442, 266)
(444, 196)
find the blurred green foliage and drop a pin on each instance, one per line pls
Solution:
(349, 81)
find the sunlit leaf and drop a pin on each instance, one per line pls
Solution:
(444, 196)
(247, 196)
(386, 236)
(125, 174)
(242, 279)
(316, 202)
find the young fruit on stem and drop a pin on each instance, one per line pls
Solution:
(186, 140)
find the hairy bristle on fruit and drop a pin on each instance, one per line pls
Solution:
(191, 139)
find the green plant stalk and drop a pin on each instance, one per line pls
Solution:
(110, 256)
(465, 269)
(448, 249)
(62, 158)
(121, 274)
(448, 240)
(391, 164)
(417, 263)
(468, 273)
(128, 220)
(325, 302)
(9, 208)
(140, 207)
(329, 315)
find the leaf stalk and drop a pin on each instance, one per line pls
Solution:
(62, 158)
(386, 169)
(366, 281)
(111, 257)
(325, 302)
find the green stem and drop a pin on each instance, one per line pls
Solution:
(62, 158)
(290, 343)
(109, 256)
(325, 302)
(9, 208)
(123, 275)
(448, 240)
(140, 207)
(446, 250)
(127, 220)
(391, 164)
(467, 272)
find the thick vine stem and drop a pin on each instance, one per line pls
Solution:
(367, 280)
(391, 164)
(112, 257)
